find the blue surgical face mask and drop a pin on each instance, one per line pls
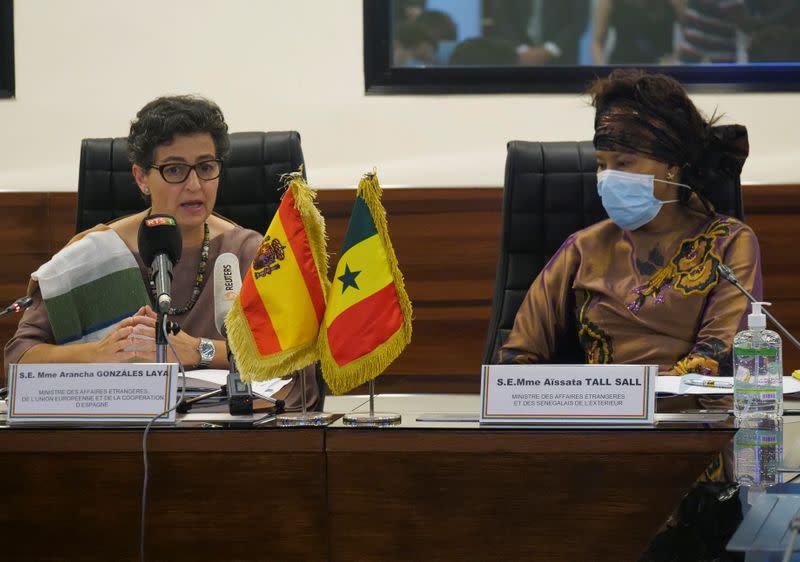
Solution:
(628, 198)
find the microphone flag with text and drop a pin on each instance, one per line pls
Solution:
(160, 246)
(89, 286)
(367, 321)
(274, 322)
(227, 284)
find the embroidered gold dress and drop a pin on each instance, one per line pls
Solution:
(642, 297)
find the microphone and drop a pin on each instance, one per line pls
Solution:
(730, 276)
(160, 246)
(227, 284)
(17, 306)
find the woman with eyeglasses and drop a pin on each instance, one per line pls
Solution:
(177, 147)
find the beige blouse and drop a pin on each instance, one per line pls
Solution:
(34, 327)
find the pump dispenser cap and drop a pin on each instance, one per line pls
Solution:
(757, 320)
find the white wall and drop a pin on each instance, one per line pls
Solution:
(83, 68)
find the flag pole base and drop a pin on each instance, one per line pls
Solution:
(374, 419)
(297, 419)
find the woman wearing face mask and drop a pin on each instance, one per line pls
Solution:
(643, 287)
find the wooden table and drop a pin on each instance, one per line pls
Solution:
(213, 495)
(455, 491)
(440, 491)
(511, 495)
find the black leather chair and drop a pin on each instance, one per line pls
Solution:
(248, 194)
(550, 191)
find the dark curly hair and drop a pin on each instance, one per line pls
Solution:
(162, 119)
(652, 114)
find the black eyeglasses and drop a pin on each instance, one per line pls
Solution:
(176, 172)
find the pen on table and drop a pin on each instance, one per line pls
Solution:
(710, 384)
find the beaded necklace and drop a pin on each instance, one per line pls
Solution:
(199, 279)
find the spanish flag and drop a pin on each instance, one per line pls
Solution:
(274, 322)
(368, 319)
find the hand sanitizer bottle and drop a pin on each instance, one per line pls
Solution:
(757, 370)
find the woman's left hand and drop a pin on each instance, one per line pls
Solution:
(188, 347)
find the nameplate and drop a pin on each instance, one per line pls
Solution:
(96, 393)
(568, 394)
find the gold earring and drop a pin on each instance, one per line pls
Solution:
(670, 175)
(145, 191)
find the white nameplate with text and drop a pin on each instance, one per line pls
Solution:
(568, 394)
(97, 393)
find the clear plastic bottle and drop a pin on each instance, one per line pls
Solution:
(758, 452)
(757, 370)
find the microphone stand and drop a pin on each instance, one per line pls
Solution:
(730, 276)
(161, 337)
(17, 306)
(240, 394)
(243, 407)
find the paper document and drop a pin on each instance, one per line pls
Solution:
(695, 383)
(217, 377)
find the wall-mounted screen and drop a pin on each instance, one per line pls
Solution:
(464, 46)
(6, 49)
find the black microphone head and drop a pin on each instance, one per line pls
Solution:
(18, 305)
(23, 302)
(159, 234)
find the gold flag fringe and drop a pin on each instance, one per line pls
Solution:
(340, 379)
(252, 365)
(305, 199)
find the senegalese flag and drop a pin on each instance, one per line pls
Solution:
(274, 322)
(368, 319)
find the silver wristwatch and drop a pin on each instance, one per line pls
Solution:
(207, 352)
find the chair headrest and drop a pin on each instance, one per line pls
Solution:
(249, 189)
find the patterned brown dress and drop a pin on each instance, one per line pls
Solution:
(643, 297)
